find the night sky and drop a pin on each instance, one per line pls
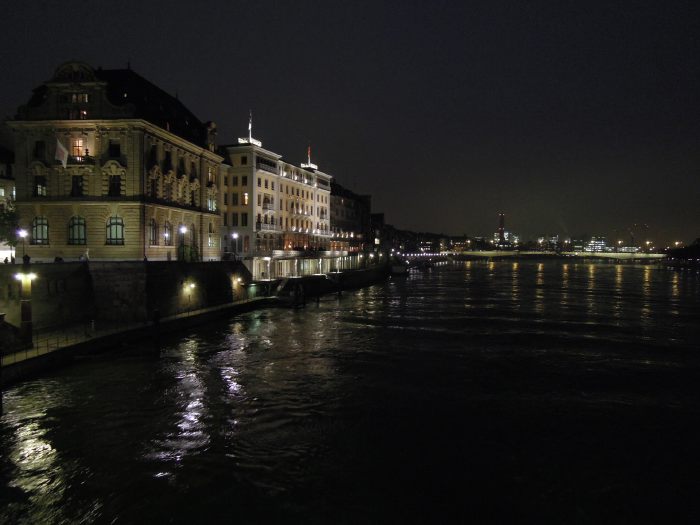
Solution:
(571, 117)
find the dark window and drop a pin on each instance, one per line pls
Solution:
(234, 181)
(40, 150)
(76, 189)
(244, 219)
(226, 198)
(152, 157)
(244, 160)
(259, 182)
(114, 149)
(153, 233)
(115, 230)
(234, 219)
(168, 162)
(40, 230)
(76, 231)
(115, 185)
(234, 199)
(244, 180)
(225, 219)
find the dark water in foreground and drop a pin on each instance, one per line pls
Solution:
(483, 392)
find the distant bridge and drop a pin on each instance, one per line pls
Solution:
(490, 254)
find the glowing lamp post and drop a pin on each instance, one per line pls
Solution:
(234, 238)
(23, 235)
(189, 288)
(25, 304)
(183, 231)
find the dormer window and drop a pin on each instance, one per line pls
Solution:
(79, 98)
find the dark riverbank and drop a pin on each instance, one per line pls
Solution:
(31, 361)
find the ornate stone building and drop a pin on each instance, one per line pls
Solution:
(109, 166)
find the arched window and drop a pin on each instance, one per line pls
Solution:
(76, 231)
(181, 233)
(153, 233)
(40, 230)
(168, 234)
(115, 231)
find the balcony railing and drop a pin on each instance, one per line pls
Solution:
(265, 167)
(79, 159)
(268, 207)
(261, 226)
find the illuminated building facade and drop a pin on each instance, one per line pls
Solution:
(109, 166)
(276, 215)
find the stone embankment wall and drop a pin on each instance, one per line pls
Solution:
(120, 292)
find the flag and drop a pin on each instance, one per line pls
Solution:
(61, 153)
(250, 121)
(308, 153)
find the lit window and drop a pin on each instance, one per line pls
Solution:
(115, 231)
(76, 231)
(245, 199)
(153, 230)
(40, 186)
(77, 146)
(40, 230)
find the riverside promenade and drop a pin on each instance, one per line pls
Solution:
(64, 343)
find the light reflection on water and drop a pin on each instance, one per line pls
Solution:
(347, 400)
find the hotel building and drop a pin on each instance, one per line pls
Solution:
(276, 215)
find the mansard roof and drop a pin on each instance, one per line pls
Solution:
(113, 94)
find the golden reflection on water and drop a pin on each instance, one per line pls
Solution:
(515, 285)
(539, 289)
(590, 289)
(564, 301)
(617, 305)
(645, 312)
(675, 294)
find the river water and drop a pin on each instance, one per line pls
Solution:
(475, 392)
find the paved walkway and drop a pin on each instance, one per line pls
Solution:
(47, 342)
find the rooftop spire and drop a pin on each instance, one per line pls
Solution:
(309, 164)
(250, 139)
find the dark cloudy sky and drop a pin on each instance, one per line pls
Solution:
(572, 117)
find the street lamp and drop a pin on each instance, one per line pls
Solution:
(23, 234)
(234, 237)
(183, 231)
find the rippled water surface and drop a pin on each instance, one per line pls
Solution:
(474, 392)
